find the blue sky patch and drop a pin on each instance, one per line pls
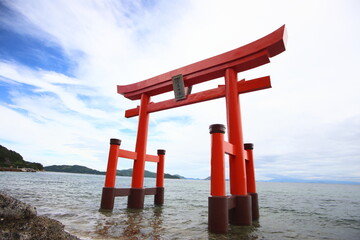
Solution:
(4, 91)
(33, 52)
(8, 88)
(129, 131)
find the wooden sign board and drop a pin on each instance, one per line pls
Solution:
(179, 88)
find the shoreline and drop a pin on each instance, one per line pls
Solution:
(6, 169)
(19, 220)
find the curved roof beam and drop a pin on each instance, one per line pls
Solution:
(241, 59)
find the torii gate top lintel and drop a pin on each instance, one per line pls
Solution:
(240, 59)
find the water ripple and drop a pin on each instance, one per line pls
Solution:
(287, 210)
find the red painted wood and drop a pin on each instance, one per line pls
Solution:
(250, 171)
(160, 171)
(126, 154)
(229, 148)
(243, 87)
(141, 141)
(204, 75)
(217, 163)
(235, 134)
(133, 155)
(151, 158)
(246, 57)
(111, 167)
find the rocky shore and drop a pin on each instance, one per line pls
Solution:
(19, 220)
(5, 169)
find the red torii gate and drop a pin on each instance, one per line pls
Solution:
(241, 208)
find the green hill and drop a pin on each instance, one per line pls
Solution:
(85, 170)
(72, 169)
(12, 159)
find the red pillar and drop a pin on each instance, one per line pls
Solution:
(140, 149)
(112, 163)
(108, 194)
(250, 170)
(218, 212)
(237, 162)
(217, 187)
(251, 182)
(159, 196)
(160, 168)
(137, 194)
(241, 214)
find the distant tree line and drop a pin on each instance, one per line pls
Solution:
(86, 170)
(12, 159)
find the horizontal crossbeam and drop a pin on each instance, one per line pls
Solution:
(151, 158)
(243, 87)
(241, 59)
(126, 154)
(229, 148)
(133, 155)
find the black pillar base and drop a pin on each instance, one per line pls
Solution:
(241, 214)
(255, 206)
(107, 199)
(136, 198)
(159, 196)
(218, 214)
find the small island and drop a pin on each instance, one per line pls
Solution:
(13, 161)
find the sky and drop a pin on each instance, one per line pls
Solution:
(60, 62)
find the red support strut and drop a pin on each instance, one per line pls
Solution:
(143, 126)
(108, 194)
(137, 193)
(241, 214)
(251, 184)
(218, 216)
(159, 196)
(160, 168)
(112, 163)
(237, 161)
(236, 209)
(217, 160)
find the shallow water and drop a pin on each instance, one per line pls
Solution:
(287, 210)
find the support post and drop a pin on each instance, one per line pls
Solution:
(137, 194)
(218, 216)
(217, 160)
(237, 161)
(251, 182)
(108, 194)
(241, 214)
(159, 196)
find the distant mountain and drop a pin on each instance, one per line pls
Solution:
(180, 177)
(72, 169)
(86, 170)
(194, 179)
(10, 159)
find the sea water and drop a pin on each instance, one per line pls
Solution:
(287, 210)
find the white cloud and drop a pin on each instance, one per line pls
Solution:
(307, 121)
